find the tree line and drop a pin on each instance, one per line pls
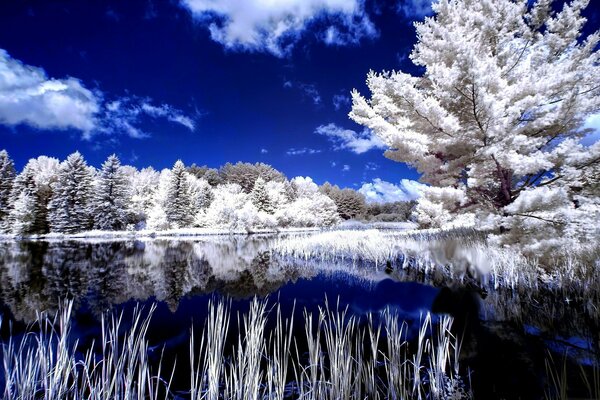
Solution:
(72, 196)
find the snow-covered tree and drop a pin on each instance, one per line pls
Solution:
(178, 203)
(69, 208)
(260, 196)
(7, 176)
(496, 115)
(111, 196)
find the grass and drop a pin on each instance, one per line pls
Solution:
(335, 356)
(459, 253)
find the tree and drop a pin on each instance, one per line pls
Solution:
(21, 217)
(69, 208)
(260, 197)
(350, 203)
(144, 184)
(245, 174)
(178, 202)
(30, 195)
(7, 176)
(495, 121)
(111, 197)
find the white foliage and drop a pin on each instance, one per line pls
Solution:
(157, 217)
(305, 187)
(500, 108)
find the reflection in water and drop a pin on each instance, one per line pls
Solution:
(512, 328)
(37, 275)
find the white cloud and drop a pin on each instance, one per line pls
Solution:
(28, 96)
(333, 164)
(304, 150)
(415, 9)
(371, 166)
(274, 26)
(380, 191)
(125, 115)
(341, 100)
(346, 167)
(264, 151)
(357, 142)
(168, 112)
(592, 123)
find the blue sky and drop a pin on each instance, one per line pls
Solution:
(204, 81)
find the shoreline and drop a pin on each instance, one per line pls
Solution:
(200, 232)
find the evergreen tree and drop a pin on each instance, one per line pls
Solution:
(30, 195)
(178, 202)
(69, 208)
(23, 196)
(7, 176)
(260, 197)
(110, 203)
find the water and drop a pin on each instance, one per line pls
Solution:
(507, 335)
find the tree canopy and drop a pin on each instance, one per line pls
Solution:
(495, 121)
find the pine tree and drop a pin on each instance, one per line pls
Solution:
(30, 195)
(69, 208)
(21, 218)
(110, 202)
(178, 203)
(260, 197)
(7, 177)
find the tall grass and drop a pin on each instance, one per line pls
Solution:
(577, 271)
(336, 356)
(44, 364)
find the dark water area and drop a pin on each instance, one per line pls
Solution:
(507, 335)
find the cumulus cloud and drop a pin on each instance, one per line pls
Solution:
(415, 9)
(28, 96)
(346, 167)
(304, 150)
(264, 151)
(357, 142)
(274, 26)
(380, 191)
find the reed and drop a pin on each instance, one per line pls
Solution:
(336, 356)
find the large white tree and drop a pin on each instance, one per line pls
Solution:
(494, 122)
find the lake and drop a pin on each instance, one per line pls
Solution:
(508, 336)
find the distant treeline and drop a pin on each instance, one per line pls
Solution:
(71, 196)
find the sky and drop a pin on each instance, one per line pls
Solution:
(207, 82)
